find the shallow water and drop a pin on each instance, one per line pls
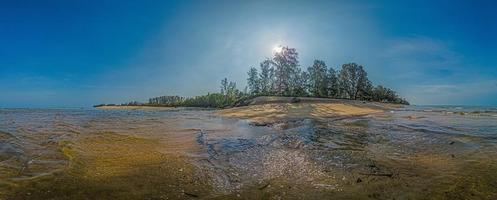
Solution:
(410, 153)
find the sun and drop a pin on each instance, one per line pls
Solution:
(278, 49)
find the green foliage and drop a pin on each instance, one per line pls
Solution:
(266, 77)
(384, 94)
(318, 82)
(213, 100)
(132, 103)
(299, 83)
(224, 85)
(228, 96)
(282, 76)
(253, 81)
(286, 67)
(332, 83)
(166, 101)
(352, 79)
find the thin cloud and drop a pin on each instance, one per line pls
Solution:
(421, 52)
(481, 92)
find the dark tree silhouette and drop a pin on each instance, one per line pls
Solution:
(253, 81)
(317, 79)
(286, 65)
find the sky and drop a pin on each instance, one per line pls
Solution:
(62, 53)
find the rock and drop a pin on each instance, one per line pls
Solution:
(264, 186)
(295, 100)
(255, 123)
(359, 180)
(190, 194)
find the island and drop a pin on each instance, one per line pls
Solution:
(281, 76)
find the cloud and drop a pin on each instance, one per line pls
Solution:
(419, 54)
(429, 71)
(474, 93)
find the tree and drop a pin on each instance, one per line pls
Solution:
(305, 82)
(364, 88)
(253, 81)
(332, 83)
(228, 91)
(348, 80)
(286, 65)
(282, 76)
(317, 79)
(224, 86)
(232, 92)
(383, 94)
(266, 77)
(299, 83)
(353, 80)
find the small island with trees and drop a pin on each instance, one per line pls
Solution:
(282, 76)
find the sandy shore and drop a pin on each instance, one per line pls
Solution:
(273, 109)
(109, 165)
(316, 149)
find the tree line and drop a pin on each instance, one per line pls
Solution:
(282, 76)
(227, 96)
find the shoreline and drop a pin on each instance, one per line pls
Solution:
(267, 100)
(308, 148)
(134, 108)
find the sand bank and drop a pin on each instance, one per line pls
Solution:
(273, 109)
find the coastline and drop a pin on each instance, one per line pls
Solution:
(336, 106)
(133, 108)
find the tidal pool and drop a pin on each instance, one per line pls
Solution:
(186, 153)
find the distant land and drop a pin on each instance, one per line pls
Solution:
(282, 76)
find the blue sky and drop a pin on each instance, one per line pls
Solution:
(80, 53)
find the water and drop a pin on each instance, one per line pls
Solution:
(410, 153)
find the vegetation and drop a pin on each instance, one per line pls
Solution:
(166, 101)
(228, 96)
(282, 76)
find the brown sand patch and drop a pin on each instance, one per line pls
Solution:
(273, 112)
(114, 166)
(333, 109)
(110, 154)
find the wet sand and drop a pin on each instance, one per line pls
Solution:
(274, 112)
(271, 149)
(113, 166)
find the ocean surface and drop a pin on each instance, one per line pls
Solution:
(416, 152)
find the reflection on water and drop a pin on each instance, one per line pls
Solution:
(410, 153)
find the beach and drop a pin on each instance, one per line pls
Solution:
(272, 148)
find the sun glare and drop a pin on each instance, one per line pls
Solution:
(277, 49)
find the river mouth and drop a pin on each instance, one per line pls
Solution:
(196, 154)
